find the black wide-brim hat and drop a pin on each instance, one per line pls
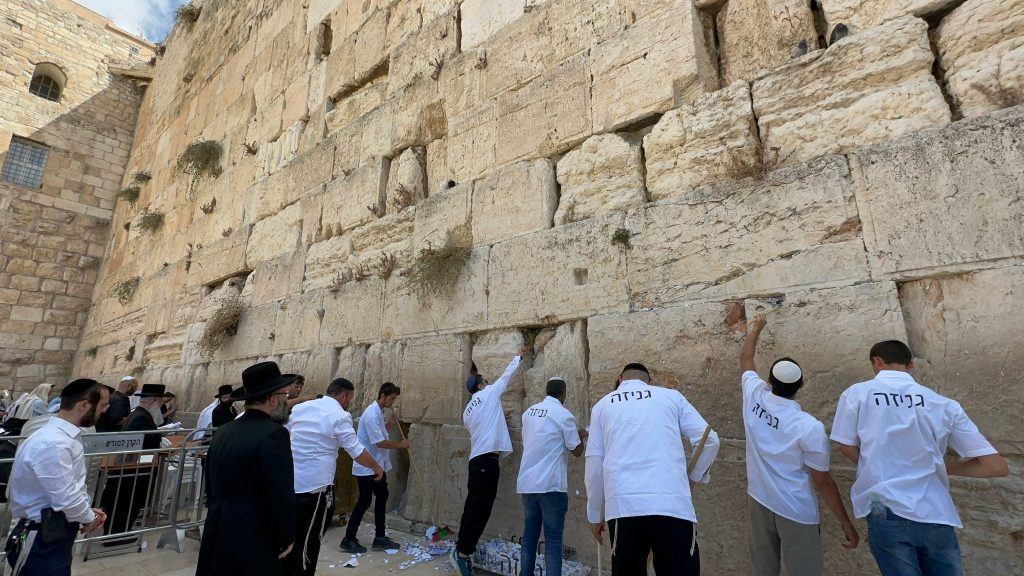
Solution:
(261, 379)
(225, 389)
(151, 391)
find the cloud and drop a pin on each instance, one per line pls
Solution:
(151, 19)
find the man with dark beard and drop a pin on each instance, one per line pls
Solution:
(49, 499)
(251, 523)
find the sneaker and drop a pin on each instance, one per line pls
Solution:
(385, 543)
(352, 546)
(463, 566)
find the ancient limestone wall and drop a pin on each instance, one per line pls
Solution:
(54, 236)
(631, 180)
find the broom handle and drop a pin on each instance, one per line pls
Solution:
(697, 451)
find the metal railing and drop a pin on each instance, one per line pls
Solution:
(143, 491)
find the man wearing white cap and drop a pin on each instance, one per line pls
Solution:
(787, 451)
(549, 436)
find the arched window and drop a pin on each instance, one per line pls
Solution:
(47, 81)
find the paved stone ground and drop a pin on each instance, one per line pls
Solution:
(167, 562)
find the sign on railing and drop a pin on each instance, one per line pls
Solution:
(112, 443)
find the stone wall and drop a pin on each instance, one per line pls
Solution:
(53, 237)
(610, 181)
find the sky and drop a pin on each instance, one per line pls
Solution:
(151, 19)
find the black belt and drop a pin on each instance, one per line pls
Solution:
(29, 524)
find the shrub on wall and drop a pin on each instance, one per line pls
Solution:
(126, 290)
(435, 271)
(130, 194)
(150, 220)
(201, 159)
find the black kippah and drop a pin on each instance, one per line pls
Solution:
(343, 383)
(77, 387)
(637, 367)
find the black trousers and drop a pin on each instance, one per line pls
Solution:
(36, 557)
(124, 496)
(672, 540)
(368, 490)
(483, 488)
(312, 513)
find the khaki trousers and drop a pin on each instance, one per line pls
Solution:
(773, 537)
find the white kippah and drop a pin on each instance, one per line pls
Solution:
(786, 372)
(127, 378)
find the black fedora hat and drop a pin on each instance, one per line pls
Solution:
(261, 379)
(151, 391)
(225, 389)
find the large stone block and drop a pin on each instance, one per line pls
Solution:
(411, 310)
(513, 201)
(441, 215)
(352, 312)
(946, 199)
(604, 175)
(547, 115)
(961, 330)
(854, 317)
(861, 15)
(255, 334)
(388, 237)
(274, 236)
(758, 34)
(298, 325)
(279, 277)
(360, 56)
(872, 86)
(561, 352)
(692, 349)
(422, 56)
(655, 63)
(350, 197)
(981, 50)
(566, 273)
(220, 260)
(481, 19)
(407, 180)
(325, 260)
(796, 229)
(712, 140)
(433, 370)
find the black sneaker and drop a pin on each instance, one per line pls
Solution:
(385, 543)
(352, 546)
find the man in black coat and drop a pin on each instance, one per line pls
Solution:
(127, 489)
(224, 412)
(251, 522)
(117, 411)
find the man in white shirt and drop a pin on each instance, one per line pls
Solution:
(206, 416)
(318, 429)
(484, 417)
(48, 494)
(636, 475)
(897, 432)
(373, 433)
(549, 436)
(787, 450)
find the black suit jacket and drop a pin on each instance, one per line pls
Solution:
(223, 414)
(140, 420)
(117, 410)
(250, 483)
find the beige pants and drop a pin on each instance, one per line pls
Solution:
(773, 537)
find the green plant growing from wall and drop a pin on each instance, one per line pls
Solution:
(621, 237)
(130, 355)
(92, 352)
(221, 326)
(189, 14)
(201, 159)
(435, 271)
(130, 194)
(150, 220)
(126, 290)
(141, 177)
(139, 370)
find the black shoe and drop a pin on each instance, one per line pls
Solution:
(385, 543)
(352, 546)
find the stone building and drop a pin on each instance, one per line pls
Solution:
(67, 120)
(400, 189)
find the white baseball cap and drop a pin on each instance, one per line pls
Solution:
(786, 372)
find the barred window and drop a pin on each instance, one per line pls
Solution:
(47, 81)
(25, 163)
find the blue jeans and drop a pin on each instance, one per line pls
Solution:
(904, 547)
(548, 509)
